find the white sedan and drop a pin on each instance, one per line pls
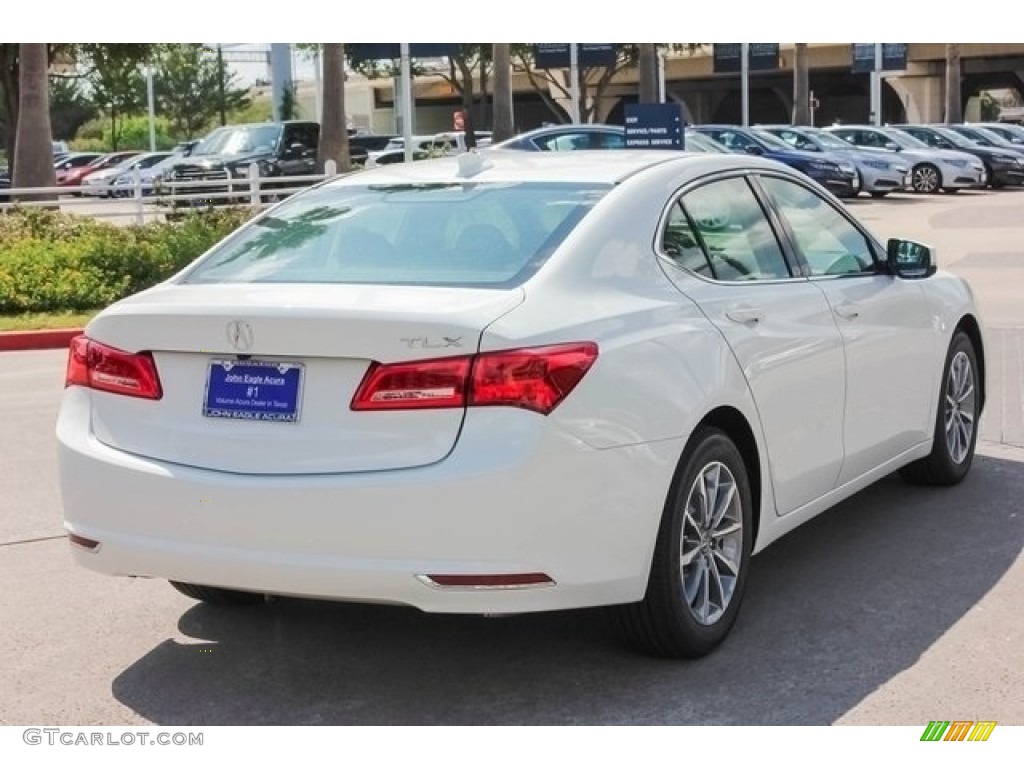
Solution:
(515, 382)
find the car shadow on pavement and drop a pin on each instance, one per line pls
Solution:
(833, 611)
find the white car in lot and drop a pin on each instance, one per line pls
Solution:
(510, 382)
(931, 170)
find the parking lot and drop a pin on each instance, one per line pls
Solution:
(899, 606)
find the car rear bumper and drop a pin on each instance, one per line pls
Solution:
(539, 502)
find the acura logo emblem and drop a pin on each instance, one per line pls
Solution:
(240, 335)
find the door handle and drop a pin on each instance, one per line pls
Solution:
(847, 311)
(745, 314)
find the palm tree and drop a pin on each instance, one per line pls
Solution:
(953, 97)
(503, 121)
(333, 124)
(33, 143)
(801, 85)
(647, 61)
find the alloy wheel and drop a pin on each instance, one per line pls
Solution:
(711, 544)
(959, 413)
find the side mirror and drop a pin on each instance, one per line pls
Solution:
(753, 149)
(892, 146)
(910, 260)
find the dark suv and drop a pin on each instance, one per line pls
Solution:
(277, 149)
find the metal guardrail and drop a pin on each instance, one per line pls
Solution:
(162, 197)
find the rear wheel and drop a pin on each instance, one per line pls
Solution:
(956, 423)
(925, 178)
(699, 570)
(217, 595)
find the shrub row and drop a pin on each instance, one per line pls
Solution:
(51, 261)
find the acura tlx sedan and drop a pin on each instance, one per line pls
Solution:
(514, 382)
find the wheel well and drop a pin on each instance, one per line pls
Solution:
(969, 325)
(735, 425)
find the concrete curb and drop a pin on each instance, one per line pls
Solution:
(57, 338)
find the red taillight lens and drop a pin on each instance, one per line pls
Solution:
(537, 379)
(97, 366)
(423, 384)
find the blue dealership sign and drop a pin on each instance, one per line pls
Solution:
(556, 55)
(654, 126)
(761, 57)
(378, 51)
(894, 57)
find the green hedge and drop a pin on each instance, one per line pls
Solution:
(51, 262)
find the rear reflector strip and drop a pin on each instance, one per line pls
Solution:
(486, 580)
(83, 542)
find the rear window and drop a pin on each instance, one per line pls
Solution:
(473, 234)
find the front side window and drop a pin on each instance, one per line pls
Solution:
(460, 233)
(830, 244)
(730, 224)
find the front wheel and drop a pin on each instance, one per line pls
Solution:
(956, 423)
(925, 178)
(699, 570)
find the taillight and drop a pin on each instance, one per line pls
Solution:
(536, 378)
(97, 366)
(423, 384)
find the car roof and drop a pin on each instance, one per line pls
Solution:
(600, 166)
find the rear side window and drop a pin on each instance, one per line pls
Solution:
(729, 222)
(474, 234)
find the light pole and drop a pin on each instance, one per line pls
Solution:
(152, 110)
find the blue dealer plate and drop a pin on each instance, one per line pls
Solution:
(254, 390)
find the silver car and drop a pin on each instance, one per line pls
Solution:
(931, 169)
(879, 174)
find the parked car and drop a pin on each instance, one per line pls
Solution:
(73, 176)
(74, 162)
(878, 175)
(60, 148)
(149, 178)
(1009, 131)
(517, 382)
(100, 183)
(837, 175)
(454, 142)
(1002, 167)
(394, 151)
(987, 138)
(592, 136)
(559, 138)
(184, 148)
(278, 149)
(931, 170)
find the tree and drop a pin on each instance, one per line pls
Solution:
(648, 72)
(289, 106)
(333, 126)
(116, 83)
(801, 85)
(33, 147)
(503, 120)
(70, 109)
(954, 107)
(189, 89)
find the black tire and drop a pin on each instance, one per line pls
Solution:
(943, 466)
(666, 622)
(879, 195)
(217, 595)
(925, 179)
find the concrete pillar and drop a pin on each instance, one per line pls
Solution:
(922, 97)
(281, 74)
